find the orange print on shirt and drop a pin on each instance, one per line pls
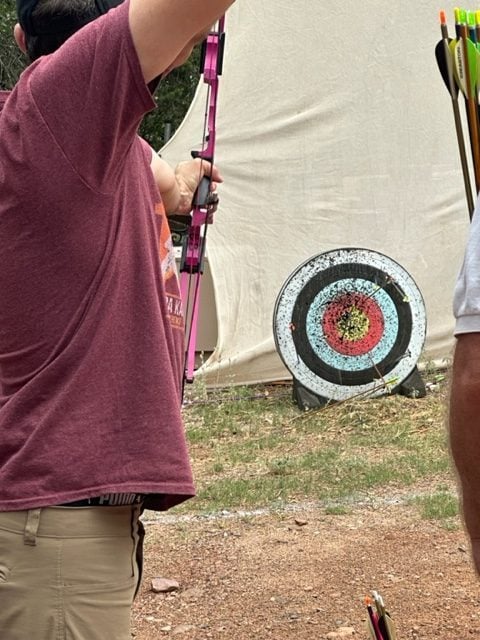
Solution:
(165, 245)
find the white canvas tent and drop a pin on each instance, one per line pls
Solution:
(334, 130)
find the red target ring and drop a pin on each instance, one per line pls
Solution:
(353, 324)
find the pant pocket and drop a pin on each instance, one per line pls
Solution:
(96, 562)
(4, 573)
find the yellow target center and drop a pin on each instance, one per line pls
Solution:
(353, 324)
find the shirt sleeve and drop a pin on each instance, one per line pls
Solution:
(92, 96)
(466, 299)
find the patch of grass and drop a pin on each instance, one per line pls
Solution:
(441, 505)
(320, 475)
(251, 447)
(234, 416)
(337, 510)
(451, 524)
(218, 467)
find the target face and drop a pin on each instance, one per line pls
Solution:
(350, 322)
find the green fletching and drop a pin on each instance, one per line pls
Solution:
(471, 18)
(463, 16)
(477, 74)
(472, 65)
(463, 66)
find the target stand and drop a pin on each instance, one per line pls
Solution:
(350, 323)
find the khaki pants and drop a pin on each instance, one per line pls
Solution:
(69, 573)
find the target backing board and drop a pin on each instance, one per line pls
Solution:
(350, 322)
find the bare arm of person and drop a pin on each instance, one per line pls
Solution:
(165, 31)
(465, 432)
(165, 180)
(177, 186)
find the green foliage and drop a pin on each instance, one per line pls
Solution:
(12, 61)
(173, 96)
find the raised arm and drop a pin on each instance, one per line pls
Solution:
(164, 31)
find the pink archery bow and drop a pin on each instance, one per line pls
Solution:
(194, 243)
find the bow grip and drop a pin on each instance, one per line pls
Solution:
(200, 198)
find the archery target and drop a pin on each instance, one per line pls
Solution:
(350, 322)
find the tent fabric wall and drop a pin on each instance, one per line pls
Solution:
(334, 130)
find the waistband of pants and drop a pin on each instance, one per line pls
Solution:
(61, 522)
(108, 500)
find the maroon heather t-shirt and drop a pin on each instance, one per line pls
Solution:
(91, 333)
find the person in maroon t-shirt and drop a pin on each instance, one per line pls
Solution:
(91, 327)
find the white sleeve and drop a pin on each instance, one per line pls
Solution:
(466, 299)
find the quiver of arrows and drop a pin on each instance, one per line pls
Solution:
(379, 622)
(458, 60)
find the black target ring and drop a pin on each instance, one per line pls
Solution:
(301, 339)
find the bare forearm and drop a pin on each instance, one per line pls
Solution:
(175, 189)
(164, 177)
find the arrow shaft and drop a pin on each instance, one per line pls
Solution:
(463, 156)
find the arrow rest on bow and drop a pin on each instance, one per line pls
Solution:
(193, 235)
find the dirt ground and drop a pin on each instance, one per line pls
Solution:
(303, 574)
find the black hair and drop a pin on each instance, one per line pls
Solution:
(54, 22)
(51, 22)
